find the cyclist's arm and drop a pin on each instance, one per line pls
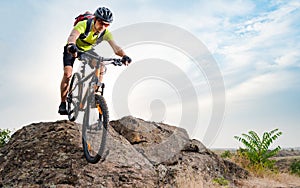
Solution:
(72, 40)
(73, 36)
(117, 49)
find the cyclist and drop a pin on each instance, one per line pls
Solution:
(102, 19)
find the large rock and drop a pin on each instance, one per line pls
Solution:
(138, 154)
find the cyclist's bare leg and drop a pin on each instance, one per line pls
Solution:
(99, 74)
(64, 86)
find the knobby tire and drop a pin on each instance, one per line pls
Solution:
(94, 158)
(73, 97)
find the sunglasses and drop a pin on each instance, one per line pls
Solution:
(103, 23)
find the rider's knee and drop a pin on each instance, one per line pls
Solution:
(67, 76)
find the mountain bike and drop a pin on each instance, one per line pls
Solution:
(92, 103)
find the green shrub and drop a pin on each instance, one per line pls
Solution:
(226, 154)
(256, 155)
(259, 169)
(4, 136)
(295, 167)
(257, 149)
(221, 181)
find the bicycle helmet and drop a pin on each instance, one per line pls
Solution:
(104, 14)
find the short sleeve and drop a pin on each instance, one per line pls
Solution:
(107, 36)
(80, 26)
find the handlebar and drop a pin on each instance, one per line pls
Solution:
(86, 57)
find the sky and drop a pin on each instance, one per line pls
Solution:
(255, 45)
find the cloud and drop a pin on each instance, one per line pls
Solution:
(266, 30)
(258, 45)
(289, 59)
(261, 86)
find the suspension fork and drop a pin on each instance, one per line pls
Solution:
(102, 89)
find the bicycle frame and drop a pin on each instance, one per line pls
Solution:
(91, 87)
(80, 84)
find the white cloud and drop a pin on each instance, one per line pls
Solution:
(260, 41)
(289, 59)
(261, 86)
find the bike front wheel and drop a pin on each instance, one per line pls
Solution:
(94, 128)
(73, 97)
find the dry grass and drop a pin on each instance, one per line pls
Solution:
(263, 177)
(192, 182)
(285, 177)
(279, 180)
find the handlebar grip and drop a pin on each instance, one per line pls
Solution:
(126, 58)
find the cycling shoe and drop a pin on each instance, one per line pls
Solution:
(62, 109)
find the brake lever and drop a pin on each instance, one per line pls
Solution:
(117, 62)
(120, 63)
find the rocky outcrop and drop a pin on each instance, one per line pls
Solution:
(138, 154)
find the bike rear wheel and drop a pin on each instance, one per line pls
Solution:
(94, 128)
(73, 97)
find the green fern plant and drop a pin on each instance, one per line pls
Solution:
(257, 148)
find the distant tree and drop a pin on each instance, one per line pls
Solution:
(4, 136)
(258, 149)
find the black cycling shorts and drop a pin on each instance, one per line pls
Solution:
(68, 58)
